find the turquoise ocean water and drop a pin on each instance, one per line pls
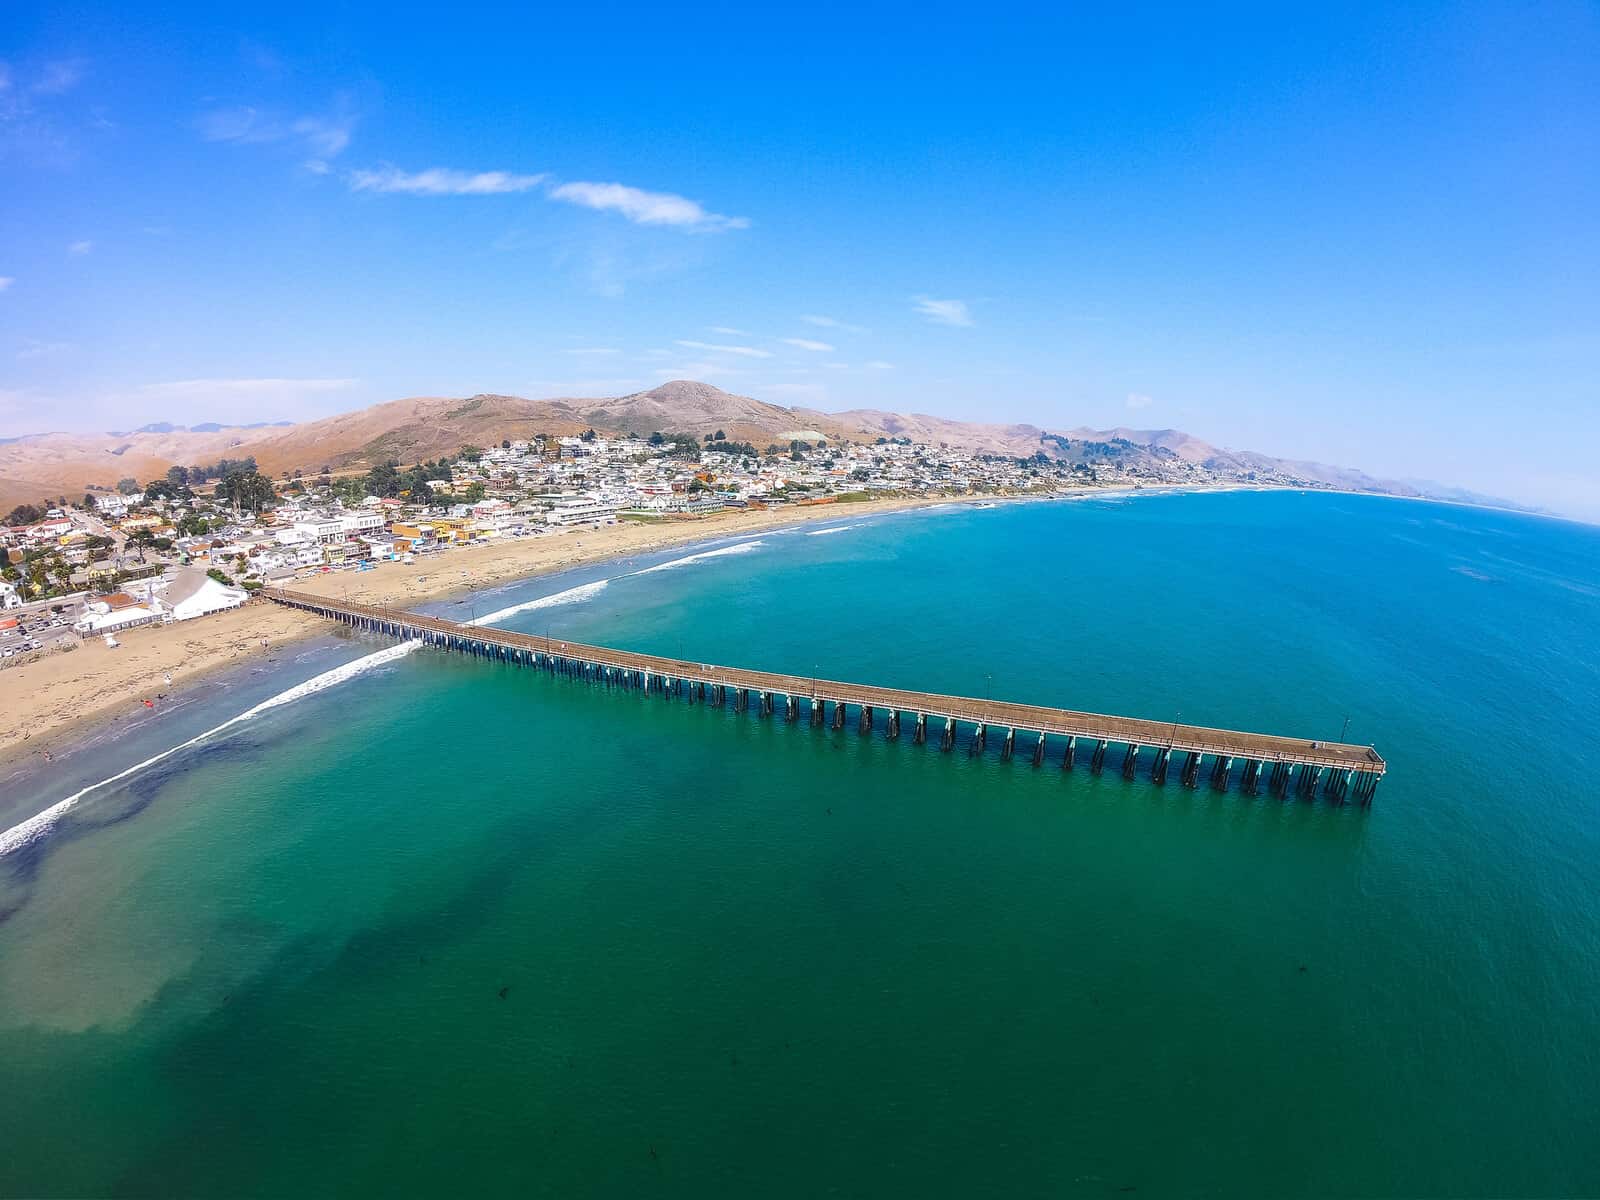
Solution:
(437, 925)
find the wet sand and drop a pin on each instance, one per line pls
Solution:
(46, 703)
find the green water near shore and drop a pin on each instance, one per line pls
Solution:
(738, 956)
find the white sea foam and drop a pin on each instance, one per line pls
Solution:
(37, 826)
(831, 529)
(573, 595)
(736, 548)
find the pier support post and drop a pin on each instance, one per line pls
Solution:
(919, 732)
(980, 736)
(791, 709)
(1097, 760)
(816, 711)
(1130, 760)
(1221, 768)
(1247, 781)
(1158, 769)
(1070, 754)
(1009, 746)
(948, 738)
(891, 727)
(838, 714)
(1038, 751)
(864, 724)
(1191, 768)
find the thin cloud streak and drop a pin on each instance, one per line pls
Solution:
(943, 312)
(442, 181)
(712, 347)
(824, 322)
(181, 388)
(807, 344)
(646, 208)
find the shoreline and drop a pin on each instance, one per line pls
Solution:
(50, 706)
(56, 704)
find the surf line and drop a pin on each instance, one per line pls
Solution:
(40, 824)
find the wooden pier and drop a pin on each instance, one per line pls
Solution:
(1280, 764)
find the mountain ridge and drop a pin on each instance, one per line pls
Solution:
(425, 427)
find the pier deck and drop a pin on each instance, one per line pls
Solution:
(1163, 738)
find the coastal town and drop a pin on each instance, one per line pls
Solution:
(200, 540)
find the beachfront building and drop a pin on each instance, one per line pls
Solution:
(192, 593)
(582, 511)
(115, 613)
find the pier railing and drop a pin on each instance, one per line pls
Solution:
(1289, 763)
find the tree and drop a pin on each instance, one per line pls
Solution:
(505, 443)
(588, 435)
(658, 438)
(178, 477)
(719, 436)
(127, 487)
(472, 493)
(472, 453)
(160, 489)
(88, 502)
(25, 514)
(247, 491)
(141, 538)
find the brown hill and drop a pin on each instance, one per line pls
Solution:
(63, 464)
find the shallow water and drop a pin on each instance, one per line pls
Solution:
(741, 956)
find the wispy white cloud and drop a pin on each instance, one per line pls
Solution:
(878, 364)
(807, 344)
(815, 392)
(727, 331)
(200, 388)
(824, 322)
(595, 350)
(37, 349)
(646, 208)
(712, 347)
(321, 137)
(442, 181)
(1138, 400)
(60, 76)
(325, 138)
(585, 387)
(6, 281)
(79, 249)
(697, 370)
(942, 312)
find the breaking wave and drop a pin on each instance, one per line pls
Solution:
(736, 548)
(37, 826)
(831, 529)
(573, 595)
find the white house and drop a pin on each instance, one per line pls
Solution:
(582, 512)
(193, 593)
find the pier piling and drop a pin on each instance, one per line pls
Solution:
(1342, 773)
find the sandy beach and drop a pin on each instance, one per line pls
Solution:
(46, 703)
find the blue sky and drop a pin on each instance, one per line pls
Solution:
(1362, 235)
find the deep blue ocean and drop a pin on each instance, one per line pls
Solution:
(425, 923)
